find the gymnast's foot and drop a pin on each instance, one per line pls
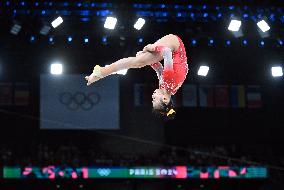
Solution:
(91, 79)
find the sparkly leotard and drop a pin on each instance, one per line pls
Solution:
(171, 79)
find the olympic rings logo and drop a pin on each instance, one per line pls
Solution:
(104, 171)
(79, 100)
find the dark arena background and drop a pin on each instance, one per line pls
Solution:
(58, 133)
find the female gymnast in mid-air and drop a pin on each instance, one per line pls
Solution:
(169, 48)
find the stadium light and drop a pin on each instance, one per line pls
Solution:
(235, 25)
(86, 40)
(56, 68)
(110, 23)
(57, 22)
(277, 71)
(263, 26)
(139, 24)
(203, 70)
(44, 29)
(122, 72)
(16, 28)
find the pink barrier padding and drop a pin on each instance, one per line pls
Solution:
(204, 175)
(182, 172)
(74, 175)
(232, 173)
(216, 174)
(85, 173)
(27, 171)
(49, 170)
(244, 171)
(61, 173)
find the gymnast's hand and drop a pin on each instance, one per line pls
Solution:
(91, 79)
(149, 47)
(139, 53)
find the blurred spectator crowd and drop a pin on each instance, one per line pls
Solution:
(199, 155)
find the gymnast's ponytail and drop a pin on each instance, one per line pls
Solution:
(165, 111)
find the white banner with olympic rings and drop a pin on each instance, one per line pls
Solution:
(66, 102)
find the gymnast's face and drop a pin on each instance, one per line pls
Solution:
(158, 97)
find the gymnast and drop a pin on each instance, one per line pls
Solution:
(169, 48)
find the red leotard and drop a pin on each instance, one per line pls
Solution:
(171, 79)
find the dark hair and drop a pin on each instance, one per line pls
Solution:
(165, 111)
